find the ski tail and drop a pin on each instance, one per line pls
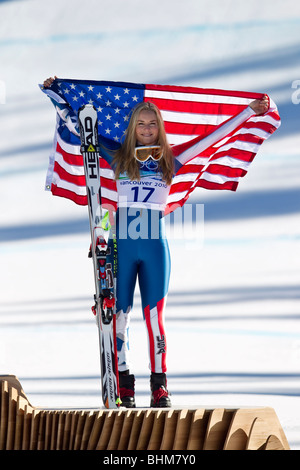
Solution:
(104, 261)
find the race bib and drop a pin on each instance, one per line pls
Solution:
(150, 192)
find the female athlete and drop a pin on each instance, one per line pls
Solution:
(144, 167)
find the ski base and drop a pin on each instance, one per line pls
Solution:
(105, 277)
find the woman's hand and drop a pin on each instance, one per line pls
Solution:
(260, 106)
(48, 82)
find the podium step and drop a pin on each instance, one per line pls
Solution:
(25, 427)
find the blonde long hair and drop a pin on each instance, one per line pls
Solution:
(124, 160)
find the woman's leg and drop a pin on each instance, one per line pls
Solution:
(154, 275)
(126, 280)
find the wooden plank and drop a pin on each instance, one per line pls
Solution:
(19, 423)
(116, 431)
(274, 426)
(242, 423)
(35, 420)
(60, 430)
(273, 443)
(106, 430)
(48, 429)
(88, 426)
(198, 428)
(157, 430)
(136, 428)
(258, 435)
(259, 438)
(74, 422)
(182, 429)
(54, 429)
(42, 430)
(12, 415)
(67, 431)
(79, 430)
(169, 430)
(27, 427)
(96, 430)
(146, 429)
(126, 430)
(217, 429)
(4, 414)
(13, 381)
(239, 429)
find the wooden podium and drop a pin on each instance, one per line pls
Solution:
(25, 427)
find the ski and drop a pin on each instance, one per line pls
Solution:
(103, 259)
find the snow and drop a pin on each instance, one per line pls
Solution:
(233, 314)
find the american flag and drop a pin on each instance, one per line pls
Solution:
(195, 122)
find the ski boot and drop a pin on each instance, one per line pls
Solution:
(126, 383)
(159, 393)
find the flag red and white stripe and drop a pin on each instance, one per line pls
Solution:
(197, 123)
(66, 176)
(190, 115)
